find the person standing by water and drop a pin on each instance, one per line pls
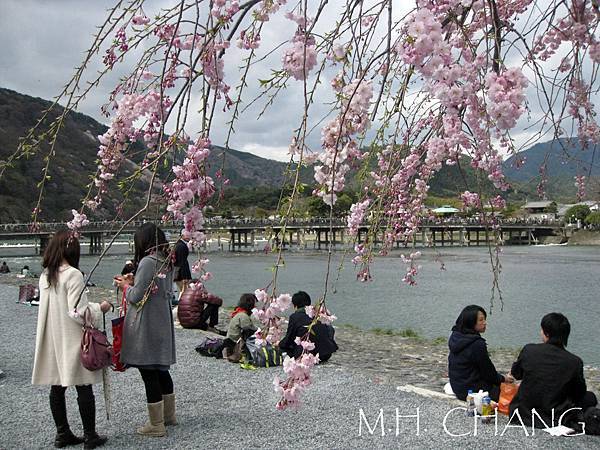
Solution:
(183, 275)
(58, 340)
(148, 334)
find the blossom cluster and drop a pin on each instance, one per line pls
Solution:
(580, 184)
(122, 130)
(471, 199)
(223, 10)
(298, 372)
(357, 215)
(270, 315)
(506, 97)
(300, 58)
(79, 221)
(337, 138)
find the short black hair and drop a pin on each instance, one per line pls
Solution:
(467, 319)
(557, 328)
(300, 299)
(247, 302)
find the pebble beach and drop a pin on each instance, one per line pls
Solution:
(221, 405)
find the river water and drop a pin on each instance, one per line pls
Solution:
(534, 281)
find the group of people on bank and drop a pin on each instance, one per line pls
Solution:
(148, 342)
(552, 380)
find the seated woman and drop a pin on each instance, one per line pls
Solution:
(241, 322)
(552, 377)
(469, 365)
(321, 334)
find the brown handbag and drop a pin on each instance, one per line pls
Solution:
(96, 351)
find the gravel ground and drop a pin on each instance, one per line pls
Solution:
(221, 406)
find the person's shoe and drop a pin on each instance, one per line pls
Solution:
(217, 331)
(66, 438)
(94, 440)
(169, 407)
(155, 426)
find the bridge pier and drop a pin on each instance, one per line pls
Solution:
(96, 243)
(43, 243)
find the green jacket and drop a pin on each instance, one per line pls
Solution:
(240, 322)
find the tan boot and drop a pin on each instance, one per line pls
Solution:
(156, 424)
(169, 400)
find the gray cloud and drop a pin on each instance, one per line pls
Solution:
(43, 42)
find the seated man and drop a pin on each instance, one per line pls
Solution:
(210, 314)
(321, 334)
(4, 268)
(552, 377)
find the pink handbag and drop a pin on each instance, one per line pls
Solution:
(96, 351)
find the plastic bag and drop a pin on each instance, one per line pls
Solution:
(507, 393)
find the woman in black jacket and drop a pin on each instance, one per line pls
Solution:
(469, 365)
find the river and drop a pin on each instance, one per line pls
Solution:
(535, 280)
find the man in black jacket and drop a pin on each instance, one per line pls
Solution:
(552, 378)
(321, 334)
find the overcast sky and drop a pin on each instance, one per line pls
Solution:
(42, 42)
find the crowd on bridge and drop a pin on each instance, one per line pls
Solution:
(275, 222)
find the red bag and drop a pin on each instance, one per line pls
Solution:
(507, 393)
(96, 351)
(117, 331)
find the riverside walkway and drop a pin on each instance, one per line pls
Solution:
(223, 406)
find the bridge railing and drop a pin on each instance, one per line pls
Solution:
(264, 223)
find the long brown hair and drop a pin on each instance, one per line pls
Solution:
(63, 246)
(149, 239)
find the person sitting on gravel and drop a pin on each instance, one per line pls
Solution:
(4, 268)
(552, 377)
(242, 322)
(321, 334)
(469, 364)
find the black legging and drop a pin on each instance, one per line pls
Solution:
(157, 382)
(84, 392)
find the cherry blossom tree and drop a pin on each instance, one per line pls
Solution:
(406, 89)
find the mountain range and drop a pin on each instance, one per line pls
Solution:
(76, 149)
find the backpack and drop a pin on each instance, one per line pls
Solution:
(208, 344)
(591, 418)
(268, 356)
(263, 355)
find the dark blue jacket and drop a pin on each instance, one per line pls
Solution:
(469, 365)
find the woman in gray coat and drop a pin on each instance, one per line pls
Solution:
(148, 334)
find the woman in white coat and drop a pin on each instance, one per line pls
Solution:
(58, 340)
